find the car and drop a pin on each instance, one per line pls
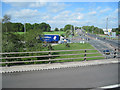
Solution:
(68, 41)
(64, 41)
(104, 38)
(107, 52)
(61, 41)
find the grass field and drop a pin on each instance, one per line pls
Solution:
(73, 46)
(108, 37)
(54, 32)
(20, 33)
(76, 46)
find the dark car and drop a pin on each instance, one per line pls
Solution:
(107, 52)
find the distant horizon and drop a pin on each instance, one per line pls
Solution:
(59, 14)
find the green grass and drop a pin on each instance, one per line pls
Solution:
(54, 32)
(108, 37)
(73, 46)
(20, 33)
(76, 46)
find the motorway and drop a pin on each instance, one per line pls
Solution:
(76, 77)
(100, 43)
(105, 44)
(114, 43)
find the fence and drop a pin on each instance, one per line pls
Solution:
(49, 56)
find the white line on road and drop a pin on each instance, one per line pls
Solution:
(110, 86)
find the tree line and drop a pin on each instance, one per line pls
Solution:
(92, 29)
(19, 27)
(8, 26)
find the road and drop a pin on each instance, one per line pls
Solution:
(100, 43)
(114, 43)
(77, 77)
(105, 44)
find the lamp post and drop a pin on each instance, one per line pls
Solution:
(24, 28)
(107, 24)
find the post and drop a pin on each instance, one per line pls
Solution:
(24, 28)
(107, 24)
(6, 63)
(85, 55)
(49, 47)
(49, 58)
(115, 53)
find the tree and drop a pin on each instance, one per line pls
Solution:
(69, 29)
(56, 29)
(6, 23)
(32, 41)
(44, 27)
(61, 29)
(67, 33)
(91, 29)
(10, 41)
(17, 27)
(28, 26)
(6, 19)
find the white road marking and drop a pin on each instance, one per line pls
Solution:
(110, 86)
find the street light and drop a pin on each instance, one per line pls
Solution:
(24, 28)
(107, 24)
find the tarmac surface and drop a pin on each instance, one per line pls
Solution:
(74, 77)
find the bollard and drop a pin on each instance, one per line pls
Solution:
(49, 58)
(85, 56)
(115, 54)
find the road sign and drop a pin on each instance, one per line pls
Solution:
(113, 34)
(108, 33)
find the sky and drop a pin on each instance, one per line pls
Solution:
(58, 14)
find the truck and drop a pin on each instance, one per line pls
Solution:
(50, 38)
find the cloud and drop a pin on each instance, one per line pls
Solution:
(27, 4)
(116, 10)
(92, 13)
(77, 16)
(38, 4)
(68, 15)
(98, 8)
(25, 0)
(62, 15)
(23, 13)
(105, 10)
(79, 9)
(55, 7)
(46, 17)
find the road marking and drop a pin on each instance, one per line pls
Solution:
(110, 86)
